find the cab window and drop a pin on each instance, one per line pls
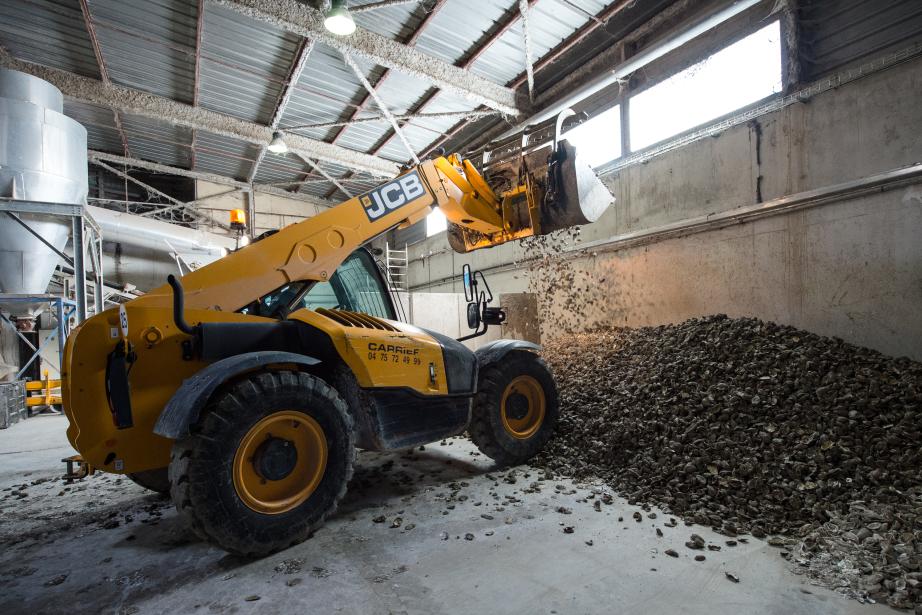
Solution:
(273, 303)
(356, 285)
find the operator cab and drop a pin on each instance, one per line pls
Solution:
(358, 285)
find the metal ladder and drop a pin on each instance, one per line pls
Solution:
(397, 262)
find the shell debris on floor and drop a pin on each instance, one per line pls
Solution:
(755, 428)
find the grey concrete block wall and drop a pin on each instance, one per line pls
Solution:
(851, 268)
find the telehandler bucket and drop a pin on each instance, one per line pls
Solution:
(575, 195)
(539, 184)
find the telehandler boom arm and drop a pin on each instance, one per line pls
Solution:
(478, 217)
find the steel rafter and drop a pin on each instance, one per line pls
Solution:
(128, 100)
(103, 71)
(297, 67)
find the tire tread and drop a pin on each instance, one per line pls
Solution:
(198, 512)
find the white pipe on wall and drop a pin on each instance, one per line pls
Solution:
(157, 235)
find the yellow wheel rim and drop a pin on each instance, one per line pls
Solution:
(298, 447)
(523, 407)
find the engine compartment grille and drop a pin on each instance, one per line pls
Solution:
(355, 319)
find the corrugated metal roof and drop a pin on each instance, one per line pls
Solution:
(49, 32)
(244, 65)
(421, 133)
(328, 91)
(363, 183)
(277, 168)
(550, 22)
(839, 33)
(452, 35)
(401, 91)
(148, 45)
(395, 22)
(224, 155)
(101, 132)
(419, 137)
(158, 141)
(321, 189)
(456, 28)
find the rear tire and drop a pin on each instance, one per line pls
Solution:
(515, 410)
(157, 480)
(267, 463)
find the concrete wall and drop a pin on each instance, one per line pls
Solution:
(272, 212)
(851, 268)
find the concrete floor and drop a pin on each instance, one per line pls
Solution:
(107, 546)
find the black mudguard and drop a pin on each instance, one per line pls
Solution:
(495, 351)
(187, 402)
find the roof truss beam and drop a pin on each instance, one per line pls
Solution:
(301, 19)
(304, 53)
(409, 42)
(329, 177)
(95, 156)
(445, 115)
(383, 4)
(188, 208)
(199, 32)
(127, 100)
(382, 106)
(507, 21)
(103, 70)
(549, 58)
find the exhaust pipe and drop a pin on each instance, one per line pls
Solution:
(179, 317)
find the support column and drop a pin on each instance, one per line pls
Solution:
(79, 266)
(625, 126)
(251, 213)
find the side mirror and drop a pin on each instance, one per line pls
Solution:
(470, 285)
(473, 315)
(478, 295)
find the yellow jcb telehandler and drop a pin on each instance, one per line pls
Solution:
(244, 388)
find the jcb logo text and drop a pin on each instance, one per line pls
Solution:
(392, 196)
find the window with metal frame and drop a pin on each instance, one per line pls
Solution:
(738, 75)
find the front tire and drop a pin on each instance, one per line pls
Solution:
(268, 462)
(515, 410)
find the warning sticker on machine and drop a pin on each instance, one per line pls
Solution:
(392, 196)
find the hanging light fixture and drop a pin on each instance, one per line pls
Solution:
(277, 145)
(338, 20)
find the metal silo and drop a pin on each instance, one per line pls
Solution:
(42, 158)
